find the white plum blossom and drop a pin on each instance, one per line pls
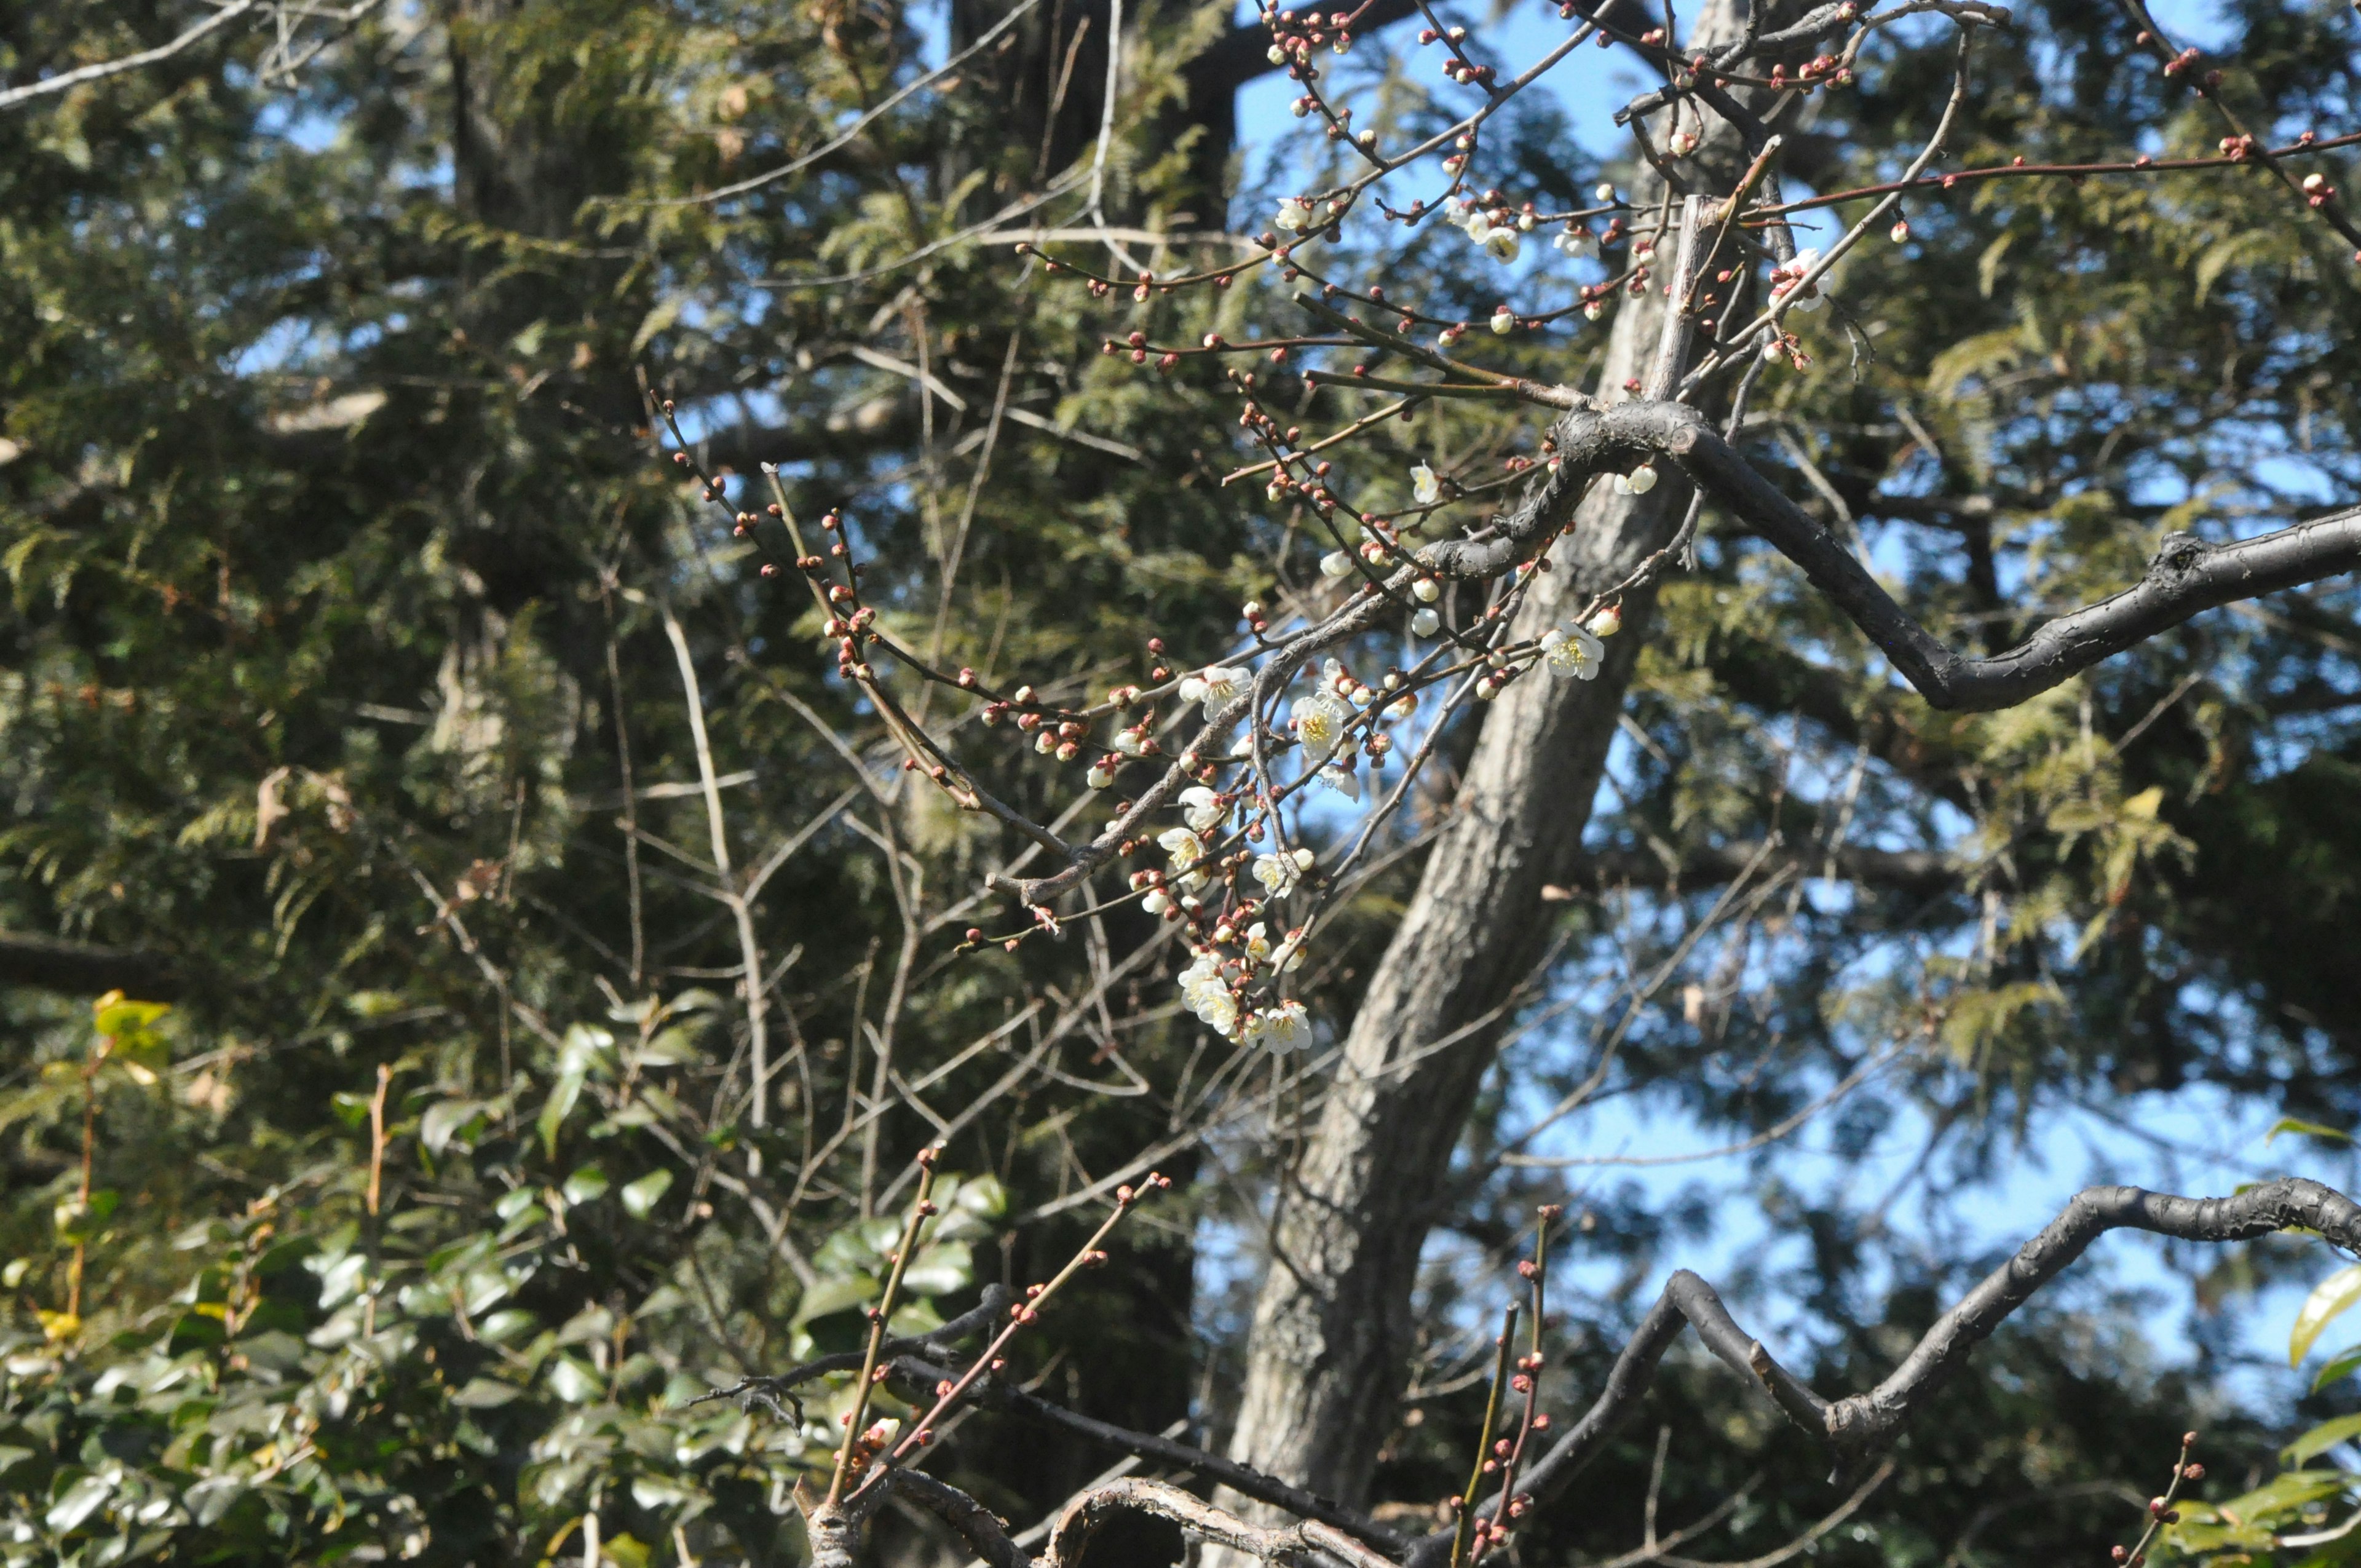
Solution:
(1343, 778)
(1426, 590)
(1424, 623)
(1784, 281)
(1281, 872)
(1258, 942)
(1183, 846)
(1605, 193)
(1500, 239)
(1425, 485)
(1130, 742)
(1638, 482)
(1571, 650)
(1337, 563)
(1294, 214)
(1572, 240)
(1156, 902)
(1202, 808)
(1320, 723)
(1215, 685)
(1279, 1029)
(1102, 773)
(1204, 993)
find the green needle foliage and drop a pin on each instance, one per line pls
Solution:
(373, 675)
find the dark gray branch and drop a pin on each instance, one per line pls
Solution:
(1289, 1545)
(1243, 1479)
(1862, 1424)
(2187, 576)
(51, 963)
(976, 1524)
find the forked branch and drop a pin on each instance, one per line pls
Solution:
(1859, 1426)
(1856, 1429)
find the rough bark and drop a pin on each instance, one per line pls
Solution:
(1333, 1321)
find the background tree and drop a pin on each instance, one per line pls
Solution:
(380, 688)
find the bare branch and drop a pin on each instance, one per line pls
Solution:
(975, 1523)
(1859, 1426)
(1243, 1479)
(2188, 575)
(1291, 1544)
(12, 96)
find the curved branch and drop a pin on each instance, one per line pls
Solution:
(1862, 1424)
(975, 1523)
(2187, 576)
(1243, 1479)
(1292, 1544)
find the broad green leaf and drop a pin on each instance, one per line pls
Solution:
(586, 1184)
(444, 1119)
(484, 1394)
(81, 1500)
(505, 1325)
(571, 1381)
(2328, 1299)
(2320, 1438)
(2340, 1364)
(642, 1195)
(938, 1270)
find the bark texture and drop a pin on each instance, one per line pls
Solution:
(1332, 1322)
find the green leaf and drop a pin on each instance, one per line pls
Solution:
(2340, 1364)
(484, 1394)
(560, 1101)
(571, 1381)
(2328, 1298)
(444, 1119)
(586, 1184)
(2309, 1129)
(2320, 1438)
(211, 1497)
(938, 1270)
(642, 1195)
(505, 1325)
(81, 1500)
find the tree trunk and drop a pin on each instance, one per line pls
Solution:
(1333, 1322)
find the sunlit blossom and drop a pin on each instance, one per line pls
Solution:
(1202, 807)
(1571, 650)
(1279, 1029)
(1183, 846)
(1425, 485)
(1320, 723)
